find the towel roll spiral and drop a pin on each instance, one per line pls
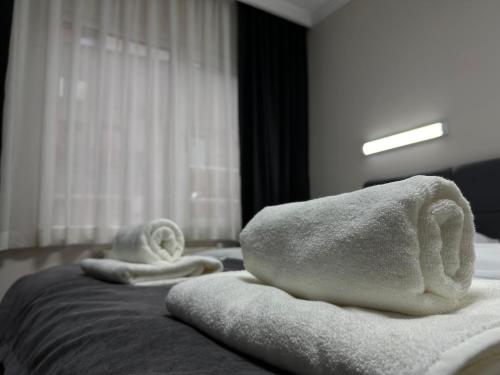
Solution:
(157, 240)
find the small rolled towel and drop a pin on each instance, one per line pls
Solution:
(406, 246)
(149, 254)
(157, 240)
(158, 273)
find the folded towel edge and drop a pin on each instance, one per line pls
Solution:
(454, 359)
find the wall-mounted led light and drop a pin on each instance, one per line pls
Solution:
(421, 134)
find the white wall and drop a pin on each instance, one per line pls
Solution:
(378, 67)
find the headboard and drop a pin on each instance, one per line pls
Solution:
(480, 184)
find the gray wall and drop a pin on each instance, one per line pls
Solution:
(20, 262)
(381, 66)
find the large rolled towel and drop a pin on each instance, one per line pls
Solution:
(406, 246)
(157, 240)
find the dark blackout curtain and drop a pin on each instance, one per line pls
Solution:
(273, 110)
(6, 10)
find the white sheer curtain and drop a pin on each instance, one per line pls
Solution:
(119, 111)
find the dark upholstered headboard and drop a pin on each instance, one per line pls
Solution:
(480, 184)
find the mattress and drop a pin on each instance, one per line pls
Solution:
(59, 321)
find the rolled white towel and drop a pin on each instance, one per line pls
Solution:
(406, 246)
(157, 240)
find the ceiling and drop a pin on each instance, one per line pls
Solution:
(304, 12)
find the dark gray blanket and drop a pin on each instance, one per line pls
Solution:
(60, 321)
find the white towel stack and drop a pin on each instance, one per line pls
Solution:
(149, 254)
(404, 247)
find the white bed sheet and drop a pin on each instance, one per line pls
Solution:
(487, 261)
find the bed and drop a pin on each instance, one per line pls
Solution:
(60, 321)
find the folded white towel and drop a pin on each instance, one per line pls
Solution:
(309, 337)
(405, 246)
(157, 240)
(158, 273)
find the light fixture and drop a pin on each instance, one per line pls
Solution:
(421, 134)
